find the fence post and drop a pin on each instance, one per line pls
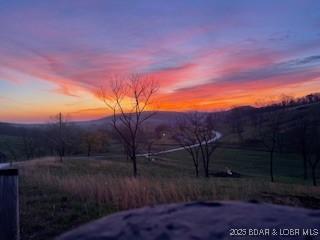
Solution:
(9, 204)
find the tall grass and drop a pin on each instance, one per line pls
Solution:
(127, 192)
(123, 192)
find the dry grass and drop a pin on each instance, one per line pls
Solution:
(126, 192)
(123, 192)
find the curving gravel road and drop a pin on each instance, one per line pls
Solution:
(218, 135)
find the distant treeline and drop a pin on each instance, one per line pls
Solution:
(289, 101)
(27, 142)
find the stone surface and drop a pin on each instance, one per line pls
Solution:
(204, 220)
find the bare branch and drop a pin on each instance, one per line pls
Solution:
(128, 100)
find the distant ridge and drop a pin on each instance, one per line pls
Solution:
(161, 117)
(311, 100)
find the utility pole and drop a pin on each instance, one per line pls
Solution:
(60, 137)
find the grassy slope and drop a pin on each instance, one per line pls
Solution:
(287, 167)
(58, 196)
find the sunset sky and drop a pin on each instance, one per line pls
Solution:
(206, 55)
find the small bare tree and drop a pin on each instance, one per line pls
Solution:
(314, 158)
(302, 132)
(185, 136)
(94, 141)
(269, 133)
(205, 135)
(314, 144)
(236, 123)
(198, 131)
(129, 101)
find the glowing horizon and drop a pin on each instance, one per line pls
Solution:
(206, 55)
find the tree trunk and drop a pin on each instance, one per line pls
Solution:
(203, 161)
(314, 176)
(89, 150)
(207, 173)
(271, 165)
(61, 154)
(305, 166)
(197, 170)
(207, 165)
(196, 165)
(134, 157)
(195, 160)
(134, 161)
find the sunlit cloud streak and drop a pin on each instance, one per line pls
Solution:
(206, 55)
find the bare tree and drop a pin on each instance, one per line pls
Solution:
(269, 133)
(198, 130)
(205, 135)
(186, 137)
(236, 122)
(94, 141)
(302, 133)
(314, 144)
(129, 101)
(286, 100)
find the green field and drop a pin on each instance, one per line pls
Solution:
(250, 163)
